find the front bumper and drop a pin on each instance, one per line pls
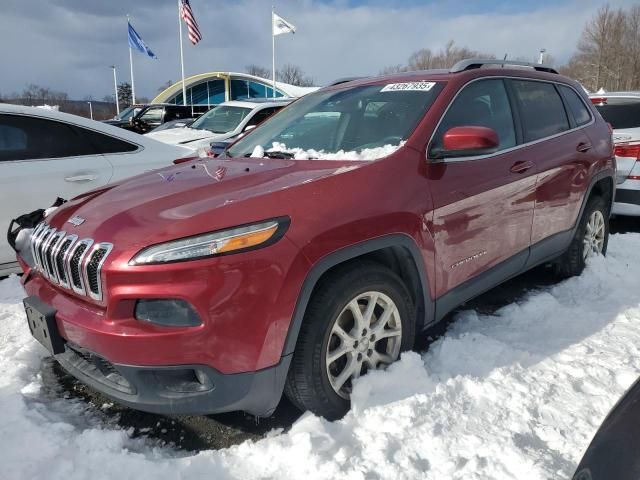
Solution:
(178, 389)
(627, 199)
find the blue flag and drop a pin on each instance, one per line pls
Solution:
(137, 43)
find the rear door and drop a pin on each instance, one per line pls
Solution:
(623, 113)
(483, 205)
(563, 154)
(41, 159)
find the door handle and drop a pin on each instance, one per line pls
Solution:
(81, 178)
(583, 147)
(521, 167)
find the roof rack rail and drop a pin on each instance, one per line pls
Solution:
(472, 63)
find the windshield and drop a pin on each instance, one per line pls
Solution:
(128, 112)
(221, 119)
(621, 112)
(357, 123)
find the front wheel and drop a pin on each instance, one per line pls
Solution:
(591, 238)
(359, 318)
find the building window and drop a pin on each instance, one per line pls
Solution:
(206, 93)
(241, 89)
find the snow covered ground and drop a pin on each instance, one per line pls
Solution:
(518, 394)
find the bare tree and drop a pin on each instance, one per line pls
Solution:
(427, 59)
(294, 75)
(164, 86)
(258, 71)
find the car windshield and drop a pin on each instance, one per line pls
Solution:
(221, 119)
(128, 112)
(621, 112)
(357, 123)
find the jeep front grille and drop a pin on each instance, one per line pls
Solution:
(71, 263)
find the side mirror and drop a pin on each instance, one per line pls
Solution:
(467, 142)
(249, 127)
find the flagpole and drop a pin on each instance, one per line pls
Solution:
(184, 88)
(273, 52)
(133, 82)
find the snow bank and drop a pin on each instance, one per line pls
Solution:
(517, 394)
(301, 154)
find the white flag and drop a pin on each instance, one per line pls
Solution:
(280, 25)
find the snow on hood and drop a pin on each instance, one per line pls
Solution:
(301, 154)
(514, 394)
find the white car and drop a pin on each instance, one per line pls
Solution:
(45, 154)
(220, 123)
(622, 111)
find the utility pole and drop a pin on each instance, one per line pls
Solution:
(115, 87)
(541, 57)
(90, 110)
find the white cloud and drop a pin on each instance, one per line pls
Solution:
(68, 45)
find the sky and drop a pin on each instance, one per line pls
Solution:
(69, 45)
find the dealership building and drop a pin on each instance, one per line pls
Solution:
(216, 87)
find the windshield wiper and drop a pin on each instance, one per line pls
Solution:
(278, 154)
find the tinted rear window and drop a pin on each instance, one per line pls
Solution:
(541, 109)
(576, 106)
(621, 112)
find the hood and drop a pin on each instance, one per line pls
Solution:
(191, 198)
(186, 136)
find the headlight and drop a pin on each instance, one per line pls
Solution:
(233, 240)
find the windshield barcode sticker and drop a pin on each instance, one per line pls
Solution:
(408, 86)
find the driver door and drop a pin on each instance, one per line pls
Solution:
(483, 205)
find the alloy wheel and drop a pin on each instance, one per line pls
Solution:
(366, 335)
(594, 235)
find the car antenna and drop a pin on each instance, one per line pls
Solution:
(504, 59)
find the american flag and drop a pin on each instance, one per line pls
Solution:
(187, 15)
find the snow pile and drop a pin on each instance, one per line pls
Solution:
(301, 154)
(517, 394)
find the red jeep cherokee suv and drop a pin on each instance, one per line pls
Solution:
(324, 241)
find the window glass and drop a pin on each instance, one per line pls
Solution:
(248, 89)
(128, 112)
(541, 109)
(482, 103)
(33, 138)
(153, 114)
(576, 106)
(342, 120)
(106, 143)
(621, 112)
(262, 115)
(221, 119)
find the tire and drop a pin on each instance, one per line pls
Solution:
(573, 261)
(311, 380)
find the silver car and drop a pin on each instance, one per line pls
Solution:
(622, 111)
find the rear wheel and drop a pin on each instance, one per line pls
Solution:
(591, 238)
(359, 318)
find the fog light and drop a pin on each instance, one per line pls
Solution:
(167, 312)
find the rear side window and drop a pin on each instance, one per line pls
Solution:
(106, 144)
(23, 138)
(152, 115)
(262, 115)
(482, 103)
(576, 106)
(621, 112)
(541, 109)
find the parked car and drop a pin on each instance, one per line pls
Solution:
(622, 111)
(151, 116)
(614, 452)
(182, 122)
(123, 118)
(45, 154)
(324, 241)
(224, 121)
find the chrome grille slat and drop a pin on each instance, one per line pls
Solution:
(59, 259)
(93, 268)
(69, 263)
